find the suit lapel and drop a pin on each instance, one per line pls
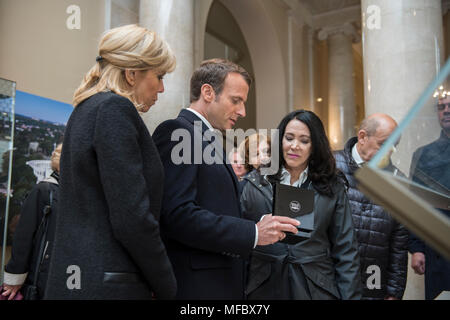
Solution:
(192, 117)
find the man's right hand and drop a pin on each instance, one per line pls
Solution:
(272, 229)
(418, 262)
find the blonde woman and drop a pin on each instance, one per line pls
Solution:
(107, 241)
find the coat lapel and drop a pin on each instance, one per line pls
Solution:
(192, 117)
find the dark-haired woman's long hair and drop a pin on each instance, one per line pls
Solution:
(321, 164)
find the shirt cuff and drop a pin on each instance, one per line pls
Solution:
(13, 279)
(256, 233)
(256, 237)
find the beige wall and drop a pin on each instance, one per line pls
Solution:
(36, 46)
(269, 54)
(301, 76)
(358, 77)
(222, 25)
(321, 68)
(277, 16)
(124, 12)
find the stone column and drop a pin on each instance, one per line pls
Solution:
(402, 53)
(173, 20)
(341, 107)
(312, 100)
(446, 32)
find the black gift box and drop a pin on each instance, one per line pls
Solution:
(297, 203)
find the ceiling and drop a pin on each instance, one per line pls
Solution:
(322, 6)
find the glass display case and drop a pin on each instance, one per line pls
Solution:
(7, 121)
(416, 190)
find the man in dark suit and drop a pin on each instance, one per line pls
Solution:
(206, 238)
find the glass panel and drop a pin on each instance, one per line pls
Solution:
(7, 121)
(417, 153)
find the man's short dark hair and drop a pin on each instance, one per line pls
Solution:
(214, 72)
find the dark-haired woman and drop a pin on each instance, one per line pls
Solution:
(325, 266)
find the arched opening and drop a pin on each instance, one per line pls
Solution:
(265, 54)
(224, 39)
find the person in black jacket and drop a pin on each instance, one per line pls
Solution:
(107, 240)
(20, 270)
(325, 266)
(430, 166)
(382, 240)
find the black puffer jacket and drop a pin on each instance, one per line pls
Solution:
(382, 240)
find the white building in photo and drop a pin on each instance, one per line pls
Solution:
(41, 168)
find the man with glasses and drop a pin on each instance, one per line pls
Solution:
(430, 167)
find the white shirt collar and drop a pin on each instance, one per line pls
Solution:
(356, 156)
(201, 117)
(286, 177)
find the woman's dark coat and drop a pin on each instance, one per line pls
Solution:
(110, 200)
(28, 234)
(326, 266)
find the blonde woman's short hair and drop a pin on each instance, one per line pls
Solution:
(128, 47)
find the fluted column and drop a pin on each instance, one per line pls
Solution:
(402, 53)
(341, 108)
(173, 20)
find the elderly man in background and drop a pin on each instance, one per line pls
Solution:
(382, 240)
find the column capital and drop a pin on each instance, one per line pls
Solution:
(347, 29)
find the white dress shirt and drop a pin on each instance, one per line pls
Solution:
(286, 178)
(359, 161)
(201, 117)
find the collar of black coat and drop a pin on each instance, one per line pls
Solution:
(261, 183)
(348, 154)
(55, 175)
(53, 178)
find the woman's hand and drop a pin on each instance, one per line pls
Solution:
(11, 291)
